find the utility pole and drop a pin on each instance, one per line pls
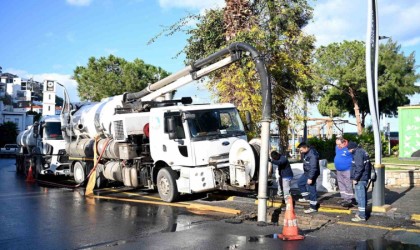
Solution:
(378, 194)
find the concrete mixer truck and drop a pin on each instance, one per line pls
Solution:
(149, 140)
(42, 145)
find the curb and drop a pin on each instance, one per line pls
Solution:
(329, 209)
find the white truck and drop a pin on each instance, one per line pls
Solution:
(146, 139)
(42, 145)
(9, 150)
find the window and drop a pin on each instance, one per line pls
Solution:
(179, 128)
(53, 131)
(215, 123)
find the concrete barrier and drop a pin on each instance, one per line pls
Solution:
(326, 181)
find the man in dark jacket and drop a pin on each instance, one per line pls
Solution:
(360, 174)
(285, 173)
(307, 182)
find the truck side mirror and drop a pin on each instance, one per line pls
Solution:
(187, 116)
(170, 125)
(35, 130)
(248, 120)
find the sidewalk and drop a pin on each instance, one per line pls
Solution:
(404, 209)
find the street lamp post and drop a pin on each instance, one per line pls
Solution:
(378, 194)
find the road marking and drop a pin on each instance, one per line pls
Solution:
(415, 217)
(271, 203)
(379, 227)
(334, 210)
(184, 205)
(141, 195)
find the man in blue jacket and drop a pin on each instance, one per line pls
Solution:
(342, 162)
(360, 174)
(307, 182)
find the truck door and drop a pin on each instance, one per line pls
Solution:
(176, 148)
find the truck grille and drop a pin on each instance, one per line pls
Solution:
(119, 130)
(62, 156)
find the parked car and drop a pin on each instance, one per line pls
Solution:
(9, 150)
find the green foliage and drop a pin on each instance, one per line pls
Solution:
(8, 133)
(7, 100)
(397, 78)
(395, 149)
(105, 77)
(367, 141)
(37, 116)
(341, 77)
(325, 148)
(274, 28)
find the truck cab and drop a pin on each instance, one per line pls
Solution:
(50, 145)
(195, 142)
(43, 146)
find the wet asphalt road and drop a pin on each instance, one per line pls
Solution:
(37, 217)
(41, 217)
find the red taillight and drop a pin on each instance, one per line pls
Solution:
(146, 130)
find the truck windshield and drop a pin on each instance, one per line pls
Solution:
(53, 131)
(215, 123)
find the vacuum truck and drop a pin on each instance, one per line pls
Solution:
(42, 146)
(149, 140)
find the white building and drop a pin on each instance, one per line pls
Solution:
(21, 119)
(49, 98)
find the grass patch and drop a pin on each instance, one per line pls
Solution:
(386, 160)
(395, 160)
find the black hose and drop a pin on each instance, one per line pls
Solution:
(261, 69)
(231, 49)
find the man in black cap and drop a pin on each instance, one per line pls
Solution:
(360, 174)
(307, 182)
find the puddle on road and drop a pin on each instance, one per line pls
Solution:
(371, 244)
(381, 243)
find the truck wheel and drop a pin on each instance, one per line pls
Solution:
(38, 167)
(18, 164)
(166, 184)
(101, 181)
(79, 172)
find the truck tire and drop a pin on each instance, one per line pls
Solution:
(166, 184)
(37, 168)
(79, 172)
(18, 164)
(101, 181)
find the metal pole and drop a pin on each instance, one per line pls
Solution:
(305, 121)
(263, 175)
(388, 131)
(378, 195)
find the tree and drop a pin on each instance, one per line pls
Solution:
(8, 133)
(341, 74)
(274, 27)
(112, 76)
(37, 116)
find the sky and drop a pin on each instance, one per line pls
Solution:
(48, 39)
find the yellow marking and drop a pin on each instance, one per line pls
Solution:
(334, 210)
(140, 195)
(378, 227)
(378, 165)
(184, 205)
(381, 209)
(231, 198)
(213, 208)
(271, 203)
(415, 217)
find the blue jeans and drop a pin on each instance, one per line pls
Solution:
(308, 191)
(361, 197)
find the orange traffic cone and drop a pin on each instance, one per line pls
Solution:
(30, 177)
(290, 228)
